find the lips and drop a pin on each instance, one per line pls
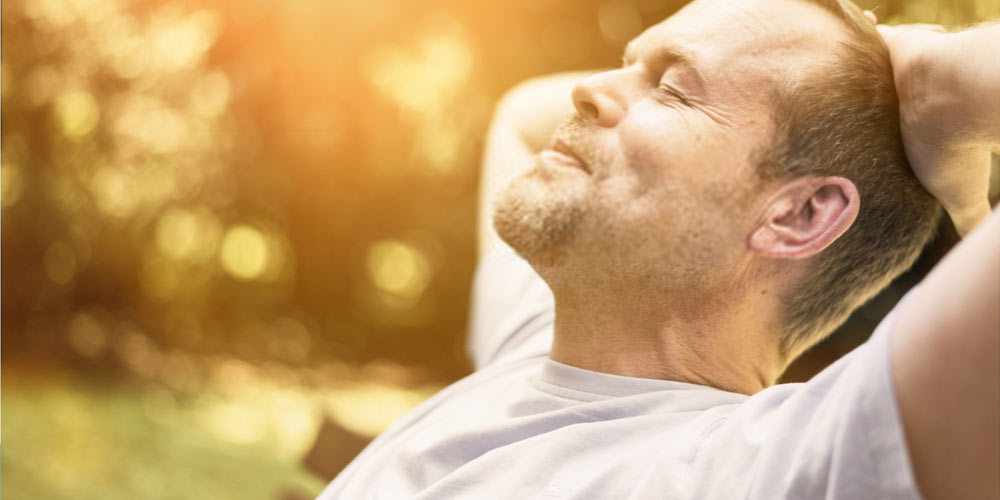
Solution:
(563, 153)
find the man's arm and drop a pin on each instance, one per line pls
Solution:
(522, 123)
(949, 93)
(946, 349)
(946, 368)
(511, 305)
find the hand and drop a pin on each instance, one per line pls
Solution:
(947, 129)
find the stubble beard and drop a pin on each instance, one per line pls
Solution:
(538, 220)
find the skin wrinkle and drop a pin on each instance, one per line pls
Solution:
(716, 113)
(662, 55)
(647, 255)
(687, 58)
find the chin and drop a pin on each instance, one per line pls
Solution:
(538, 220)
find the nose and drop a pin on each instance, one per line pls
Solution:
(598, 98)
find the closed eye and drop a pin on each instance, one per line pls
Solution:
(669, 92)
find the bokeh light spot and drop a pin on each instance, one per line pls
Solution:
(77, 113)
(441, 145)
(86, 335)
(234, 421)
(187, 235)
(433, 74)
(619, 21)
(244, 252)
(448, 56)
(149, 122)
(130, 63)
(111, 191)
(370, 408)
(181, 42)
(60, 263)
(137, 352)
(211, 95)
(294, 417)
(177, 234)
(398, 268)
(55, 13)
(11, 183)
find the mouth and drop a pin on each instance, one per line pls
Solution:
(562, 153)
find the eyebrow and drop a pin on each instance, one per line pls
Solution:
(667, 53)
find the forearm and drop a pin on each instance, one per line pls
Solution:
(946, 366)
(982, 69)
(523, 121)
(975, 68)
(982, 44)
(949, 92)
(536, 107)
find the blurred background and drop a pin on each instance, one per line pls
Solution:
(238, 237)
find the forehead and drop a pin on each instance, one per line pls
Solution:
(739, 46)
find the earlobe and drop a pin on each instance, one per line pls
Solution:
(804, 217)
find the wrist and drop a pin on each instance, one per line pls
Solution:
(970, 65)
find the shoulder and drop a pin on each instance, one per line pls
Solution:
(839, 435)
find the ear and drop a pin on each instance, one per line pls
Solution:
(805, 216)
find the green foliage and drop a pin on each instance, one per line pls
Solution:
(72, 440)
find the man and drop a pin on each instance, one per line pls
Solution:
(713, 208)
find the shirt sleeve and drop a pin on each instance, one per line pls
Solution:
(837, 436)
(512, 309)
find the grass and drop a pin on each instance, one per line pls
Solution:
(73, 440)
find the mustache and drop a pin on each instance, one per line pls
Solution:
(579, 137)
(573, 130)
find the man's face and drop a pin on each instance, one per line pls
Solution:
(656, 175)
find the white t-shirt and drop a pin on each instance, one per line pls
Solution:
(526, 427)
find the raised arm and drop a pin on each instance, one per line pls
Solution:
(949, 93)
(511, 305)
(522, 123)
(946, 345)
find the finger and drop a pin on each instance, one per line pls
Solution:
(871, 17)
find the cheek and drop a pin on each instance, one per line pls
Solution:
(664, 145)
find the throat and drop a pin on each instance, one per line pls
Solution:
(716, 349)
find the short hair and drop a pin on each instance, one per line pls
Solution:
(843, 119)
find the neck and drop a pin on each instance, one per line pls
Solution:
(719, 340)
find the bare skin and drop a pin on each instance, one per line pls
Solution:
(660, 245)
(947, 352)
(612, 314)
(949, 112)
